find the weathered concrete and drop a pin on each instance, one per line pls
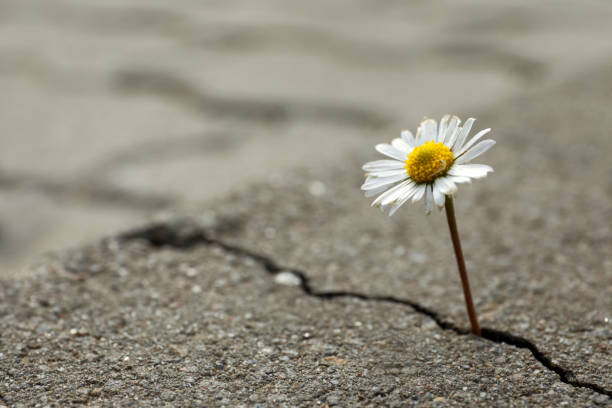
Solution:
(296, 293)
(127, 323)
(293, 291)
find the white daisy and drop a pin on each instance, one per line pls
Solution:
(428, 166)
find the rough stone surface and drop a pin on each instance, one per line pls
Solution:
(188, 311)
(120, 323)
(293, 291)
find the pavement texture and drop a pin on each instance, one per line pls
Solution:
(297, 293)
(251, 271)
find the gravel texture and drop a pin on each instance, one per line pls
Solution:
(128, 323)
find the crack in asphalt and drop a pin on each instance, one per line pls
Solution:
(165, 235)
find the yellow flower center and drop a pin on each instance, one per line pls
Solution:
(429, 161)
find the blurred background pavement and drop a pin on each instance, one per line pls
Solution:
(113, 113)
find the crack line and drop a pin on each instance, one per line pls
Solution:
(178, 237)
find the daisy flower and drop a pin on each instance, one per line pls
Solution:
(428, 165)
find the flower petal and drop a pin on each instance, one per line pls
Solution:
(418, 139)
(395, 208)
(469, 144)
(401, 200)
(442, 128)
(391, 151)
(392, 191)
(458, 179)
(465, 131)
(386, 173)
(474, 171)
(429, 202)
(408, 138)
(376, 191)
(475, 151)
(450, 139)
(447, 186)
(383, 165)
(375, 182)
(453, 125)
(438, 196)
(429, 132)
(418, 194)
(402, 146)
(396, 192)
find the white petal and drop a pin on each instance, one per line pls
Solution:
(429, 130)
(386, 173)
(442, 129)
(418, 194)
(392, 191)
(402, 146)
(446, 186)
(408, 138)
(458, 179)
(375, 191)
(465, 131)
(475, 171)
(395, 208)
(450, 139)
(376, 182)
(429, 202)
(418, 139)
(400, 201)
(475, 151)
(383, 165)
(391, 151)
(469, 144)
(452, 126)
(438, 196)
(398, 192)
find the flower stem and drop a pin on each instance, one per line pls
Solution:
(452, 225)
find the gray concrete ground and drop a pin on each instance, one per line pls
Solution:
(297, 293)
(283, 287)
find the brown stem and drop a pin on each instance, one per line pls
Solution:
(452, 225)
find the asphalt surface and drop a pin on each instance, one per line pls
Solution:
(211, 159)
(297, 293)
